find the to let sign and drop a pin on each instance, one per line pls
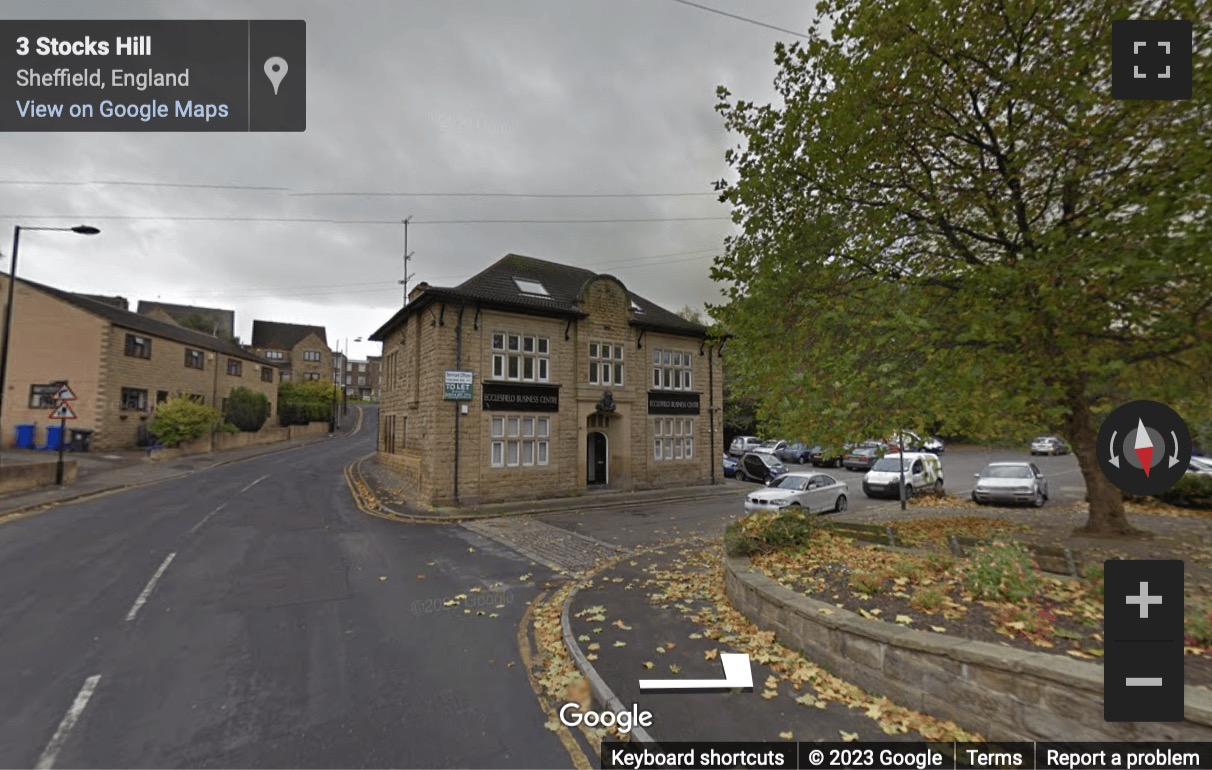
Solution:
(458, 385)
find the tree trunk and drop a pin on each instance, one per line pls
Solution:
(1106, 517)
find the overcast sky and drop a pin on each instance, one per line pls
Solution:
(440, 96)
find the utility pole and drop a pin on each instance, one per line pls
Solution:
(407, 256)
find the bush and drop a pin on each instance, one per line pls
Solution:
(179, 420)
(1191, 491)
(1001, 571)
(927, 599)
(300, 403)
(760, 533)
(246, 409)
(225, 427)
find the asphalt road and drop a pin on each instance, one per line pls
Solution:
(250, 616)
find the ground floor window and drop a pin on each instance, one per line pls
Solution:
(673, 438)
(519, 440)
(134, 399)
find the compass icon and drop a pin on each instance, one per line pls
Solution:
(1144, 447)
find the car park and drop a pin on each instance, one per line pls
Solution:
(759, 466)
(729, 466)
(772, 446)
(1049, 445)
(809, 492)
(799, 453)
(861, 458)
(1011, 483)
(923, 471)
(742, 444)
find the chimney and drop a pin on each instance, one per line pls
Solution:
(416, 292)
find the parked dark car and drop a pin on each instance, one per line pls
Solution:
(861, 458)
(821, 458)
(730, 464)
(759, 466)
(798, 452)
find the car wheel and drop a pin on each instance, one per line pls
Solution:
(840, 505)
(938, 486)
(739, 475)
(908, 491)
(976, 499)
(1039, 498)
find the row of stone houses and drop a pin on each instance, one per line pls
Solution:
(534, 379)
(120, 364)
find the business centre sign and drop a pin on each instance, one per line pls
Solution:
(673, 403)
(505, 397)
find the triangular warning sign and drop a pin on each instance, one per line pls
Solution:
(63, 412)
(64, 393)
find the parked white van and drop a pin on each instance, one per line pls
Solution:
(923, 471)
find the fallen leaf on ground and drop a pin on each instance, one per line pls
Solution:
(711, 654)
(648, 664)
(848, 737)
(787, 736)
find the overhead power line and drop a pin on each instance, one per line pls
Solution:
(499, 195)
(327, 221)
(742, 18)
(53, 183)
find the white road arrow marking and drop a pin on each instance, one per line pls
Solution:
(737, 674)
(1114, 457)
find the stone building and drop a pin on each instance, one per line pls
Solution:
(300, 352)
(571, 383)
(119, 364)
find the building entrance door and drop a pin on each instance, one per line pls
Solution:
(595, 457)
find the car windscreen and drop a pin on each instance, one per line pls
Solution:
(798, 483)
(890, 464)
(1006, 472)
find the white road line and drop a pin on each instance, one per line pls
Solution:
(47, 760)
(250, 486)
(206, 518)
(151, 584)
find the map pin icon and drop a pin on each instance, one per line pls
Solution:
(275, 70)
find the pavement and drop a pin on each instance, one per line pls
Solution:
(102, 473)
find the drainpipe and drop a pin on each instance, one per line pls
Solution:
(711, 407)
(458, 404)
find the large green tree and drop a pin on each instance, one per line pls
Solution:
(949, 219)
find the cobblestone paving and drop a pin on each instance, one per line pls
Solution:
(558, 548)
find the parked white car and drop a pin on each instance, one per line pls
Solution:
(742, 444)
(923, 471)
(808, 492)
(1011, 483)
(1200, 466)
(1049, 445)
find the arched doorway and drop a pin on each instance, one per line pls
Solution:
(596, 454)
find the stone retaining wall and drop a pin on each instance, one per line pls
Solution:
(18, 476)
(220, 442)
(1003, 693)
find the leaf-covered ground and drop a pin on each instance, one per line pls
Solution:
(928, 589)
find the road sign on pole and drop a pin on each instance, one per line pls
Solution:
(63, 412)
(64, 393)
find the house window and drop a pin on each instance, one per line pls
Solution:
(532, 288)
(193, 358)
(267, 374)
(311, 376)
(197, 398)
(138, 347)
(161, 396)
(275, 355)
(134, 400)
(605, 364)
(361, 380)
(671, 370)
(284, 376)
(235, 367)
(519, 441)
(389, 433)
(311, 355)
(521, 357)
(361, 367)
(43, 396)
(673, 438)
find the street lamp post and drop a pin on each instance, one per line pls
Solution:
(8, 309)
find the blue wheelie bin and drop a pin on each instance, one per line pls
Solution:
(54, 437)
(25, 436)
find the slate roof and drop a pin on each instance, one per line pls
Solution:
(283, 336)
(149, 326)
(122, 303)
(495, 287)
(224, 320)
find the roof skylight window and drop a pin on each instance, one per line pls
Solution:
(533, 288)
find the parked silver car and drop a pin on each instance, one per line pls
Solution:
(1011, 483)
(742, 444)
(1049, 445)
(800, 491)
